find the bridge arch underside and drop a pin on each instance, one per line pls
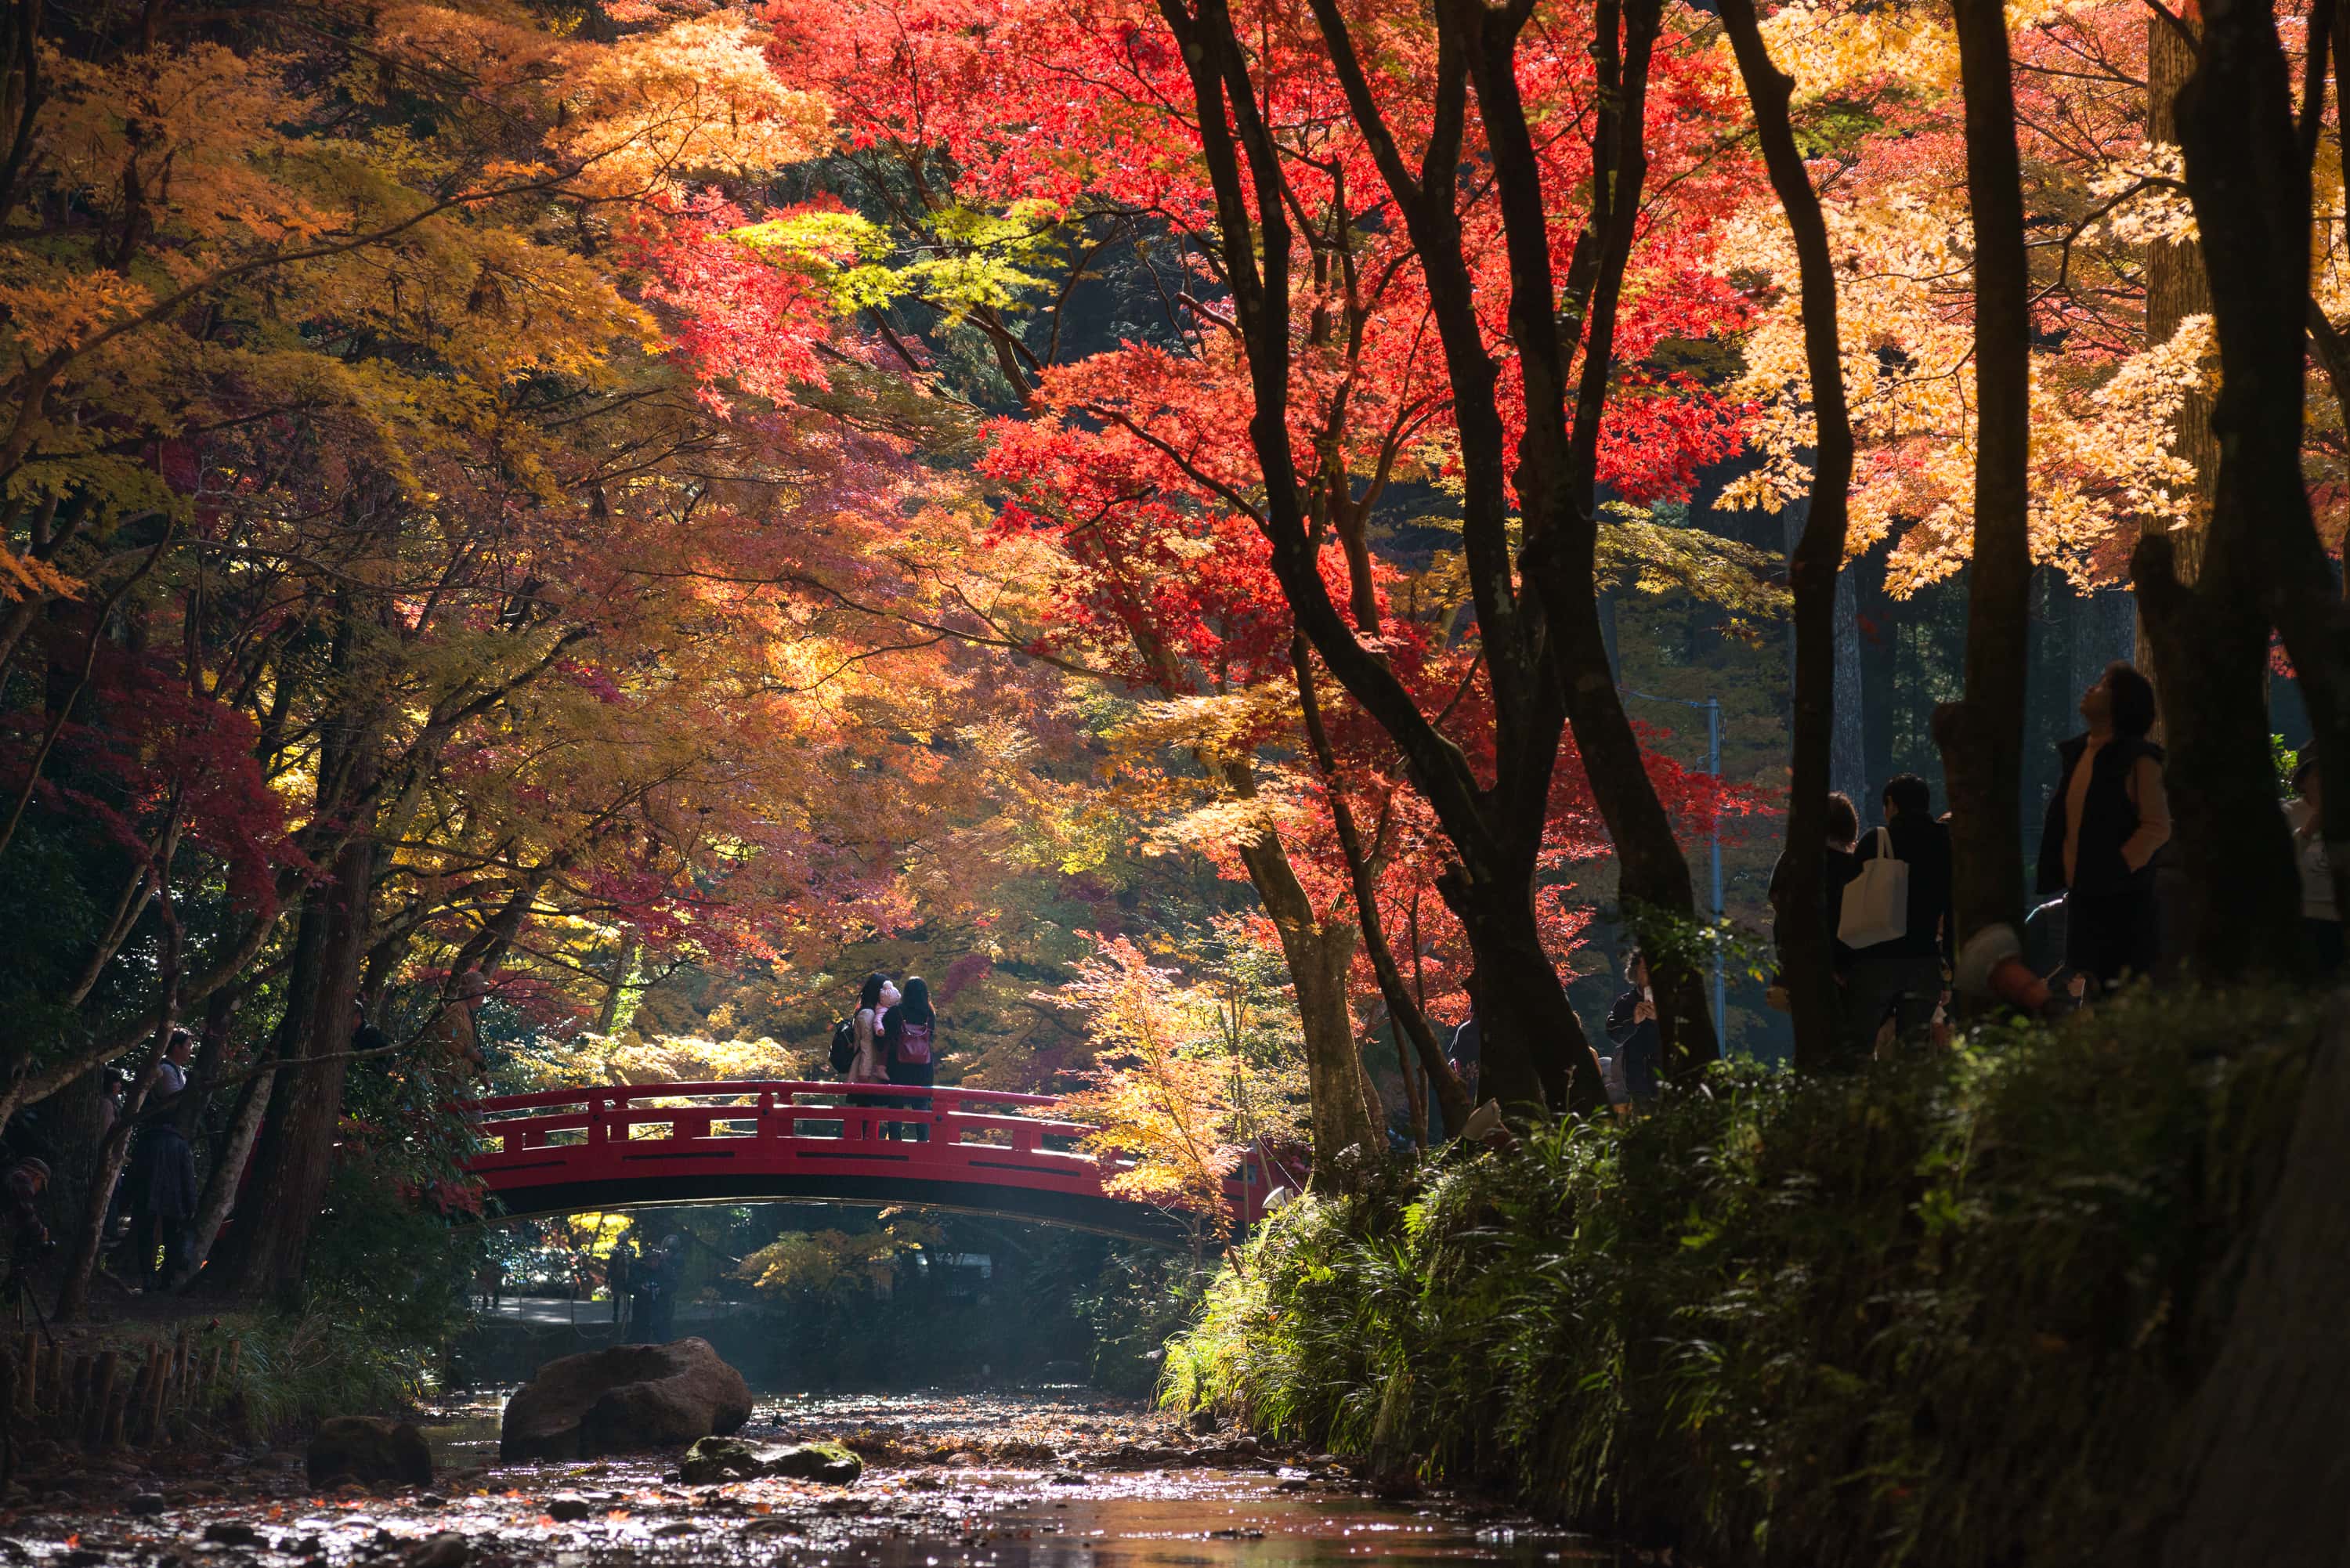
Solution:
(1071, 1210)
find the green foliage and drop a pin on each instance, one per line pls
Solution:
(1945, 1313)
(968, 260)
(1134, 1300)
(384, 1262)
(1654, 551)
(330, 1359)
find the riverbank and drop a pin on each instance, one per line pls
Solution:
(1948, 1313)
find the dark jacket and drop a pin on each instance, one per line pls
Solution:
(171, 1191)
(1639, 1047)
(1924, 844)
(2107, 820)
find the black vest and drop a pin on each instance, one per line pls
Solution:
(2107, 820)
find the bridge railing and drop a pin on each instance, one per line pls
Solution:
(599, 1129)
(598, 1115)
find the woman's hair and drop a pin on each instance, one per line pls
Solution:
(1633, 959)
(2133, 699)
(1844, 823)
(915, 1000)
(2304, 769)
(871, 996)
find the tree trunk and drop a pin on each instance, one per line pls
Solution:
(2261, 563)
(2265, 1452)
(607, 1011)
(1981, 735)
(227, 1174)
(1405, 1015)
(1797, 887)
(1557, 472)
(212, 1049)
(73, 1296)
(2176, 288)
(1343, 1109)
(1320, 952)
(290, 1189)
(1496, 830)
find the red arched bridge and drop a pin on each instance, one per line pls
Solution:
(604, 1147)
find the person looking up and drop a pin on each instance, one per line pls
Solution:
(908, 1030)
(2106, 820)
(1900, 979)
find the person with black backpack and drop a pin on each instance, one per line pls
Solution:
(857, 1040)
(908, 1038)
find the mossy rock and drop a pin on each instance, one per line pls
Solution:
(818, 1462)
(713, 1461)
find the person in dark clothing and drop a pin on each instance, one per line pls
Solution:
(665, 1271)
(1901, 978)
(908, 1049)
(2106, 819)
(166, 1204)
(619, 1274)
(1632, 1026)
(366, 1038)
(1842, 830)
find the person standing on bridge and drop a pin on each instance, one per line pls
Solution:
(907, 1039)
(875, 1000)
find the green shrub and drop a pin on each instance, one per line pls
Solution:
(1944, 1312)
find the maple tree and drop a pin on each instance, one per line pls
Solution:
(397, 610)
(1128, 456)
(646, 511)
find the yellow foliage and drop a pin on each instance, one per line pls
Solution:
(1178, 1091)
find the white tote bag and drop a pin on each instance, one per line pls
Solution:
(1876, 902)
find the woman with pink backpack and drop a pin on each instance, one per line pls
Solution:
(908, 1031)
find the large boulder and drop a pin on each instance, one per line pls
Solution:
(715, 1460)
(624, 1397)
(368, 1448)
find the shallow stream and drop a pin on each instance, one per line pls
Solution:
(1035, 1478)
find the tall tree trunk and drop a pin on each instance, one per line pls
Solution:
(73, 1296)
(1558, 460)
(226, 1178)
(1981, 735)
(2176, 288)
(607, 1011)
(1495, 830)
(2258, 1478)
(1405, 1015)
(1798, 887)
(2261, 563)
(290, 1189)
(1343, 1107)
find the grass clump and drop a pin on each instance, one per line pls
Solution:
(1948, 1311)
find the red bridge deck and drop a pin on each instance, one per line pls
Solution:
(602, 1148)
